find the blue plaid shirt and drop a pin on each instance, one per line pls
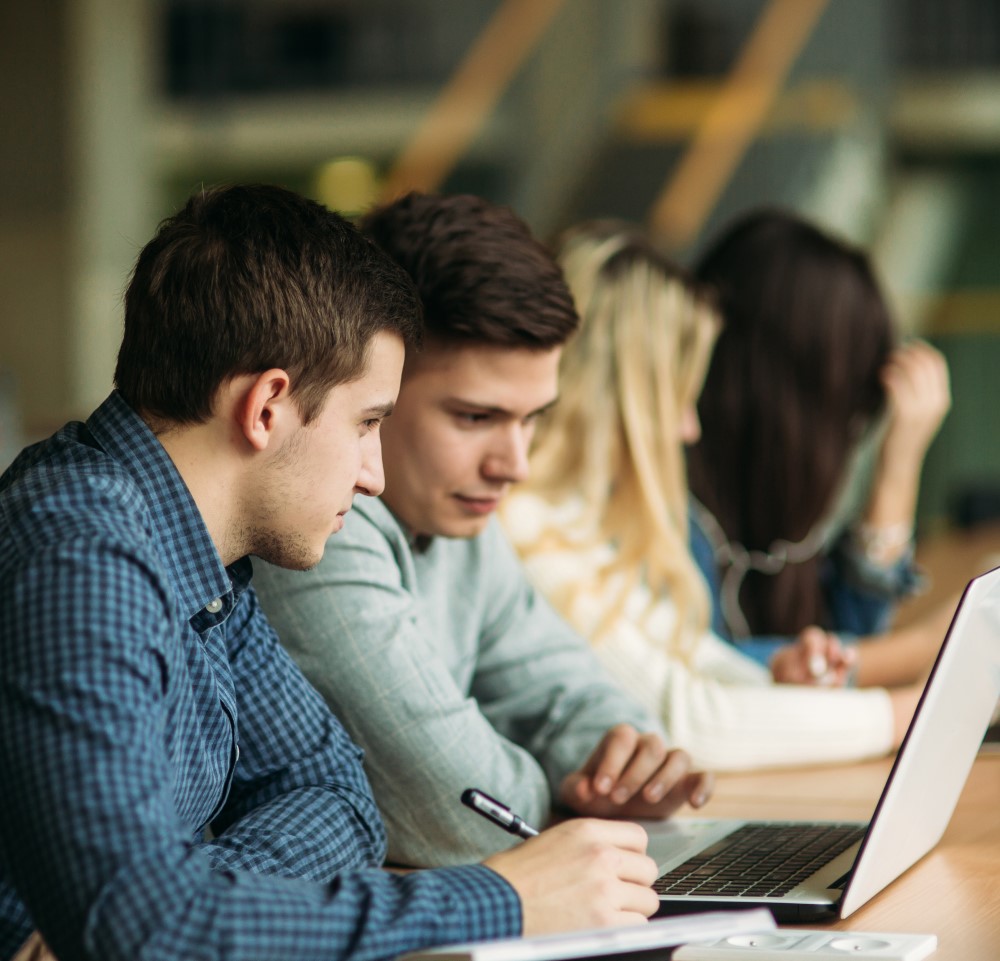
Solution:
(143, 698)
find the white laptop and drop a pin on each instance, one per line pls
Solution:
(916, 804)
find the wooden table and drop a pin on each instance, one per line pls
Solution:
(954, 892)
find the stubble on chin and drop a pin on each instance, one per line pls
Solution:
(282, 550)
(291, 553)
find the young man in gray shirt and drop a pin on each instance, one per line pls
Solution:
(419, 626)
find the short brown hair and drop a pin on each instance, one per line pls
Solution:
(249, 277)
(482, 277)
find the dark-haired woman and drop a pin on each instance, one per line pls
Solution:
(806, 371)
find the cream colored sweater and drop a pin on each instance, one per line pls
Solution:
(719, 705)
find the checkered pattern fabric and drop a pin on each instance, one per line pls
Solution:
(143, 699)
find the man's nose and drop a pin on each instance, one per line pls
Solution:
(508, 458)
(371, 477)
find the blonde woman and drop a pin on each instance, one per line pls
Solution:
(602, 524)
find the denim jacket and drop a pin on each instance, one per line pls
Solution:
(860, 595)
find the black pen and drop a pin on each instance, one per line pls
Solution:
(498, 813)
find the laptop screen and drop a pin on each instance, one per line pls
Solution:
(940, 746)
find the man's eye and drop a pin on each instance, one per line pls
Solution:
(473, 418)
(373, 424)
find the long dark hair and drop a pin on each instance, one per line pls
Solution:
(793, 382)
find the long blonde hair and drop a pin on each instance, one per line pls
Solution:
(637, 361)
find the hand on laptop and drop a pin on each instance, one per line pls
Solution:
(581, 874)
(815, 657)
(634, 775)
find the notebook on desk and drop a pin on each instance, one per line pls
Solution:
(912, 813)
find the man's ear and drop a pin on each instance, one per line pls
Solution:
(265, 407)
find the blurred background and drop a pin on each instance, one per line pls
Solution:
(878, 118)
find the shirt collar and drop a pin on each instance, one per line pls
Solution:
(189, 552)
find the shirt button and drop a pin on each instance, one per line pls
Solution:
(213, 607)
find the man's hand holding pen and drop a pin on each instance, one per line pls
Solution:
(634, 775)
(585, 872)
(580, 874)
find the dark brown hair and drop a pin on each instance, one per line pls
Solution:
(246, 278)
(481, 275)
(793, 381)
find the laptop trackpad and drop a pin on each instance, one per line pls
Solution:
(673, 842)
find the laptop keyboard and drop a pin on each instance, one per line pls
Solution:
(760, 860)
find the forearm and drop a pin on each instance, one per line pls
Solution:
(724, 711)
(551, 694)
(366, 915)
(368, 652)
(309, 833)
(886, 530)
(895, 487)
(737, 727)
(904, 655)
(917, 398)
(412, 913)
(418, 774)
